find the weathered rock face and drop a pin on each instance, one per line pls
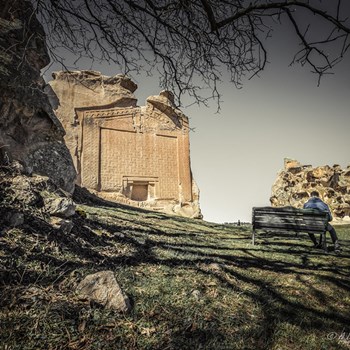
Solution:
(296, 181)
(73, 92)
(30, 133)
(124, 152)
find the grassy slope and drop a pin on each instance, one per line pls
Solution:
(193, 284)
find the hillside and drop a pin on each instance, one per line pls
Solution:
(192, 284)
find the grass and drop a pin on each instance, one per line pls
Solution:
(193, 285)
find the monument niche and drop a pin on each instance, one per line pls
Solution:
(138, 155)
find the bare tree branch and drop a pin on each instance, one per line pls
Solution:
(192, 43)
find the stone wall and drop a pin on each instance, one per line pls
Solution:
(30, 133)
(295, 182)
(138, 155)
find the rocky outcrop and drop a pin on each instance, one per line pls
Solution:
(137, 155)
(30, 133)
(296, 181)
(23, 198)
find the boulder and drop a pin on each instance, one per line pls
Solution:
(102, 288)
(59, 206)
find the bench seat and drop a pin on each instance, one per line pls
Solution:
(282, 219)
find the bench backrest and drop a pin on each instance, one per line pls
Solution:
(289, 219)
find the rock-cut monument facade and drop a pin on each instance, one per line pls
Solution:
(137, 155)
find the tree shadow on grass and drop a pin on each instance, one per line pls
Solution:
(93, 245)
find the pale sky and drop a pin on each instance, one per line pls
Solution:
(236, 155)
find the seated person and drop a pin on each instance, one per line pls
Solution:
(315, 202)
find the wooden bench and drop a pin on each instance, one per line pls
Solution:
(290, 219)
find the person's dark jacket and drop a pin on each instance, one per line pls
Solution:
(318, 204)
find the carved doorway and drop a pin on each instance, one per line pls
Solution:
(139, 192)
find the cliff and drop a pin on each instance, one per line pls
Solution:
(30, 133)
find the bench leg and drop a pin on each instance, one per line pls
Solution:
(253, 237)
(324, 243)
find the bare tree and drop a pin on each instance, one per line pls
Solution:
(194, 43)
